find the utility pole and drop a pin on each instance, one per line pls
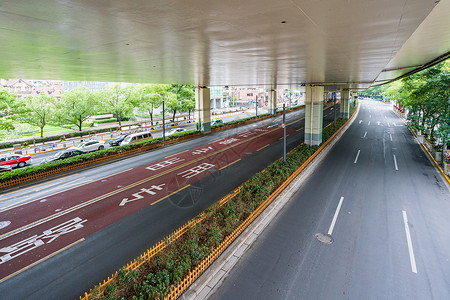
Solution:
(256, 105)
(284, 132)
(164, 124)
(334, 106)
(446, 131)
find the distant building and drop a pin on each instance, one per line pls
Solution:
(24, 88)
(90, 85)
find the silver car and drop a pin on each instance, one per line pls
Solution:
(89, 146)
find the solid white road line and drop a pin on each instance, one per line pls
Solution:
(395, 163)
(410, 246)
(330, 231)
(357, 155)
(365, 134)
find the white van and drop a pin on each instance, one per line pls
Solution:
(136, 137)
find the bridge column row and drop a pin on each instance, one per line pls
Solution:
(203, 108)
(313, 111)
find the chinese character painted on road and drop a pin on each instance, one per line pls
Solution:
(229, 141)
(164, 164)
(201, 151)
(35, 241)
(196, 170)
(137, 196)
(248, 133)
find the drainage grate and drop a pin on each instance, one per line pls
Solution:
(324, 238)
(4, 224)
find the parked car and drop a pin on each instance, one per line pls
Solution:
(118, 140)
(136, 137)
(175, 130)
(66, 153)
(216, 122)
(5, 168)
(89, 146)
(15, 160)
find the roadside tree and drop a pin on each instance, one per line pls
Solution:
(38, 110)
(7, 103)
(76, 106)
(183, 93)
(151, 97)
(117, 100)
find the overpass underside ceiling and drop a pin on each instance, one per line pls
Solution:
(340, 44)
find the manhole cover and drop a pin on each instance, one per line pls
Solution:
(4, 224)
(324, 238)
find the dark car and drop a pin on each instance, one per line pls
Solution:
(64, 154)
(117, 140)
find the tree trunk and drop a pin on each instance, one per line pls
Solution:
(80, 125)
(42, 132)
(150, 112)
(174, 113)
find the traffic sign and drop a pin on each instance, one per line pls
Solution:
(283, 125)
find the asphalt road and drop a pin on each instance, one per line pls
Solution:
(387, 210)
(57, 247)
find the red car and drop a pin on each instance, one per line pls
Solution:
(15, 160)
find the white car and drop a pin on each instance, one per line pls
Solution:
(175, 130)
(89, 146)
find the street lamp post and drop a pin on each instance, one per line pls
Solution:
(284, 132)
(164, 124)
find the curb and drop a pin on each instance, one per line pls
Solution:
(426, 150)
(212, 277)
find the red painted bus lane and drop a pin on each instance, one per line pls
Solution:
(22, 245)
(75, 198)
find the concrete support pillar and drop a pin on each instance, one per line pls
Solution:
(354, 98)
(203, 108)
(314, 115)
(273, 102)
(345, 104)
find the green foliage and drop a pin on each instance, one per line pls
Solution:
(101, 121)
(117, 100)
(76, 106)
(427, 96)
(38, 110)
(7, 103)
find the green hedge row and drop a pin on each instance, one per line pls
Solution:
(17, 173)
(154, 279)
(100, 121)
